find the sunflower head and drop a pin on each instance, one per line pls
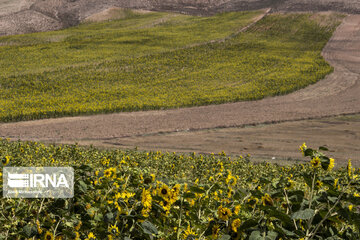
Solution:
(77, 235)
(318, 184)
(315, 162)
(48, 236)
(189, 233)
(164, 191)
(224, 213)
(114, 229)
(110, 172)
(146, 198)
(289, 184)
(235, 224)
(253, 201)
(215, 230)
(266, 200)
(302, 148)
(331, 164)
(5, 161)
(91, 236)
(107, 173)
(349, 168)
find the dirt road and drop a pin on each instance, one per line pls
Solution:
(338, 93)
(275, 142)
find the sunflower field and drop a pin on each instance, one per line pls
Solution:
(157, 61)
(156, 195)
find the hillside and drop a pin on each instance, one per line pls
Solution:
(160, 60)
(37, 15)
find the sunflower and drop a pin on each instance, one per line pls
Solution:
(266, 200)
(176, 189)
(290, 184)
(224, 213)
(146, 198)
(302, 148)
(145, 212)
(189, 233)
(113, 229)
(152, 177)
(315, 162)
(108, 172)
(318, 184)
(38, 227)
(91, 236)
(235, 224)
(336, 183)
(215, 230)
(48, 236)
(230, 179)
(349, 168)
(253, 201)
(164, 191)
(166, 206)
(5, 161)
(237, 209)
(77, 235)
(331, 164)
(78, 226)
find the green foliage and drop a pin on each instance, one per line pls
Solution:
(154, 61)
(155, 195)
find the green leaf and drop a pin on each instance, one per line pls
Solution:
(109, 217)
(271, 235)
(208, 230)
(256, 235)
(92, 210)
(284, 231)
(308, 179)
(82, 186)
(29, 231)
(272, 211)
(149, 228)
(309, 152)
(189, 195)
(322, 148)
(304, 214)
(224, 237)
(69, 224)
(296, 196)
(196, 189)
(249, 224)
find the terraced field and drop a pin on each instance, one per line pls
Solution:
(154, 61)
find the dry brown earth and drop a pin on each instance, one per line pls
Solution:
(40, 15)
(337, 94)
(271, 142)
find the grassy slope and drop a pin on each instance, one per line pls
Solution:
(136, 64)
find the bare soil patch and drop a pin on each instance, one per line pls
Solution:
(271, 142)
(11, 6)
(337, 94)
